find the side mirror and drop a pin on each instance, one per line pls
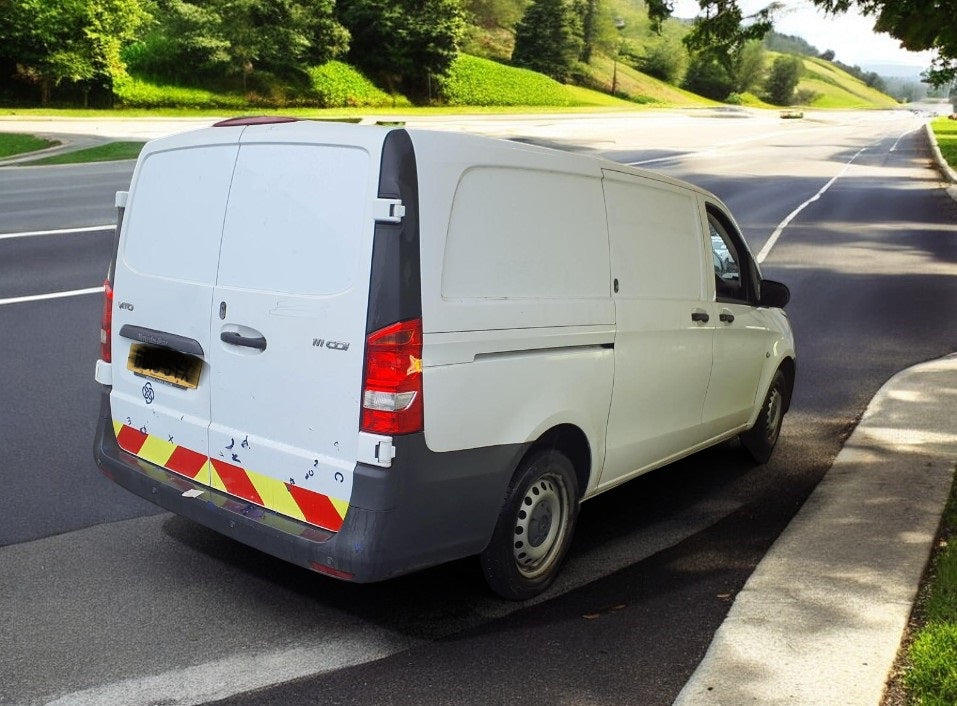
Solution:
(774, 294)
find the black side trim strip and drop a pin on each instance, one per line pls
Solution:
(162, 338)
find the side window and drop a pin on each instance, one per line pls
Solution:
(732, 266)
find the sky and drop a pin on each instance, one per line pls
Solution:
(851, 35)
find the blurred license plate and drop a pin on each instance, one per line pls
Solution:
(178, 369)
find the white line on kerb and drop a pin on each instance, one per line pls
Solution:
(791, 216)
(51, 295)
(61, 231)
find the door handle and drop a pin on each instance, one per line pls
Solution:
(237, 339)
(726, 316)
(700, 317)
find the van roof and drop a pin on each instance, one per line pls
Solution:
(260, 129)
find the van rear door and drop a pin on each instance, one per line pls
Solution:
(287, 332)
(163, 286)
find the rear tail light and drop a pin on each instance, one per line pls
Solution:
(106, 323)
(392, 388)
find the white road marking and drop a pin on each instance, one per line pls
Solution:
(61, 231)
(242, 672)
(894, 148)
(51, 295)
(772, 241)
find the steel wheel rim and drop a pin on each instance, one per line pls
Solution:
(541, 525)
(775, 414)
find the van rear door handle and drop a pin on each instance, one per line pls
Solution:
(700, 317)
(726, 316)
(237, 339)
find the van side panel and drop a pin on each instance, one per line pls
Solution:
(518, 320)
(662, 355)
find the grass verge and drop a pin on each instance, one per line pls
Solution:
(13, 144)
(945, 130)
(109, 152)
(931, 676)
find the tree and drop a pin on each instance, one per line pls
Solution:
(784, 77)
(918, 24)
(404, 42)
(72, 41)
(548, 39)
(708, 77)
(749, 69)
(193, 42)
(723, 30)
(667, 59)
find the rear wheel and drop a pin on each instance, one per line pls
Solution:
(760, 439)
(534, 529)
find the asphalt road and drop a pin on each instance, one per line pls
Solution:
(111, 602)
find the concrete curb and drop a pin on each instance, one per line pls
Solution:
(945, 169)
(68, 143)
(821, 619)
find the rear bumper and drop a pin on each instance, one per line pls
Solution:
(426, 509)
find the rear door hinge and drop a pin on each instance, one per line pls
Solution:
(388, 210)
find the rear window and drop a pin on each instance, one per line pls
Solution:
(294, 220)
(174, 218)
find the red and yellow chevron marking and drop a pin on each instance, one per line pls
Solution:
(273, 494)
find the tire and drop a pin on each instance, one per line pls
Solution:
(534, 529)
(759, 440)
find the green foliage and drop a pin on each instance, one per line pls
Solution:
(196, 43)
(404, 42)
(749, 67)
(475, 81)
(338, 85)
(69, 41)
(721, 32)
(783, 79)
(945, 130)
(493, 13)
(932, 676)
(667, 59)
(13, 143)
(789, 44)
(708, 77)
(137, 93)
(548, 39)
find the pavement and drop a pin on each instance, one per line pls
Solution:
(821, 619)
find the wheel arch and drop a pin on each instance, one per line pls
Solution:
(789, 368)
(571, 441)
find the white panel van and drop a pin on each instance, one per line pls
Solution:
(368, 350)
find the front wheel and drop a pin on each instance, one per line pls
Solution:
(760, 439)
(534, 529)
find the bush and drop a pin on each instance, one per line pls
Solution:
(338, 85)
(475, 81)
(708, 78)
(137, 93)
(667, 59)
(805, 96)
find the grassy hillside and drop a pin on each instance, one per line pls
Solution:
(835, 88)
(638, 87)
